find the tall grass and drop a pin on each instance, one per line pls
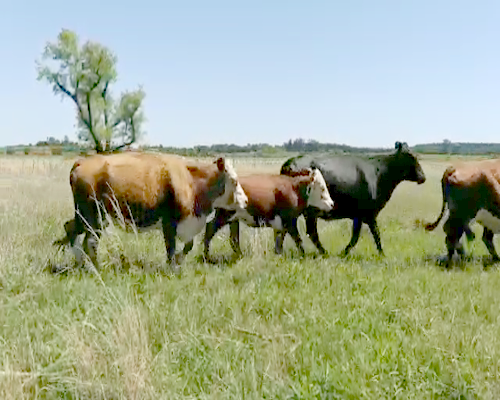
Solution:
(263, 326)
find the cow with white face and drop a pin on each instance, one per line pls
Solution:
(274, 201)
(148, 190)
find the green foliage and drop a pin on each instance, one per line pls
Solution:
(85, 74)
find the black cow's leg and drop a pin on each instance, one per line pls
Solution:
(169, 233)
(294, 233)
(488, 236)
(221, 218)
(376, 235)
(312, 232)
(356, 230)
(234, 233)
(187, 248)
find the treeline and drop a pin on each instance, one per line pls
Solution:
(264, 149)
(448, 147)
(55, 146)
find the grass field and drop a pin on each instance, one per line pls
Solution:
(265, 326)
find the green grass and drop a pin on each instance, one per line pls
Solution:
(262, 327)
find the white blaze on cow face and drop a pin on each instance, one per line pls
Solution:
(488, 220)
(234, 197)
(319, 196)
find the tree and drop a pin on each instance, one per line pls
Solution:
(85, 75)
(447, 146)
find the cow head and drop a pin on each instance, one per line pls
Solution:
(318, 194)
(408, 164)
(233, 197)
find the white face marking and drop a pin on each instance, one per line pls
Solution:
(234, 196)
(319, 196)
(189, 227)
(488, 220)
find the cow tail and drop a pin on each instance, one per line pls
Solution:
(445, 189)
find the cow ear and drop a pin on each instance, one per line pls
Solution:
(221, 163)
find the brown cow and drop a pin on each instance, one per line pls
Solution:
(275, 201)
(472, 192)
(146, 189)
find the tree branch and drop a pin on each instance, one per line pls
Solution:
(103, 94)
(64, 90)
(90, 125)
(132, 138)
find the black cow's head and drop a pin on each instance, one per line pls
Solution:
(408, 164)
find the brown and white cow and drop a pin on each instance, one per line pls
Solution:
(471, 190)
(145, 190)
(274, 201)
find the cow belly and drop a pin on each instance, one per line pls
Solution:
(488, 220)
(250, 220)
(189, 227)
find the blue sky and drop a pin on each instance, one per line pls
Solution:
(360, 72)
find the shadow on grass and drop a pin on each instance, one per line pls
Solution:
(460, 262)
(221, 260)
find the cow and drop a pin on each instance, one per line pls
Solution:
(360, 186)
(471, 192)
(274, 201)
(145, 190)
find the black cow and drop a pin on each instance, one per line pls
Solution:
(360, 187)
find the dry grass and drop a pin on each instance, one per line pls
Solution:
(263, 326)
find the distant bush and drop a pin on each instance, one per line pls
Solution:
(27, 150)
(10, 150)
(56, 150)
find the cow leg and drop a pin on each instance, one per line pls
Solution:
(90, 245)
(234, 233)
(376, 235)
(279, 239)
(312, 232)
(86, 220)
(356, 230)
(294, 233)
(169, 233)
(488, 236)
(221, 218)
(77, 250)
(187, 248)
(454, 228)
(73, 230)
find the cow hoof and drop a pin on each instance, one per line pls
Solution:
(442, 260)
(179, 258)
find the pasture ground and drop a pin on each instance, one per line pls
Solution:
(264, 326)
